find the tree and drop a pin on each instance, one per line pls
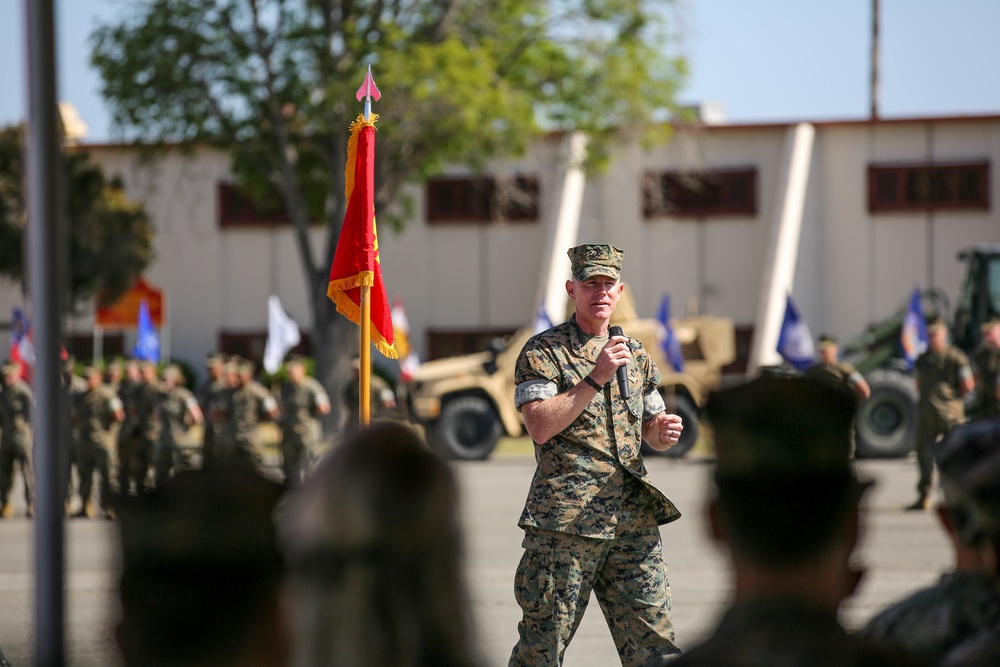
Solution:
(273, 81)
(110, 238)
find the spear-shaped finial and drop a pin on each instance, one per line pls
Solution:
(368, 91)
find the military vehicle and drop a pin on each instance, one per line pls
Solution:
(465, 403)
(887, 421)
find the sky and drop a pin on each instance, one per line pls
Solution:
(762, 60)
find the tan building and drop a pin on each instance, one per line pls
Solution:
(883, 206)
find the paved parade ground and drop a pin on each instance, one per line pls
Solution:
(903, 551)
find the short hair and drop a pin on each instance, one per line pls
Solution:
(784, 478)
(201, 568)
(374, 550)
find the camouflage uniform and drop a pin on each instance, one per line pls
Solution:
(592, 514)
(986, 360)
(300, 430)
(938, 619)
(940, 405)
(137, 435)
(840, 372)
(72, 387)
(16, 400)
(382, 401)
(172, 413)
(763, 632)
(211, 395)
(243, 407)
(96, 413)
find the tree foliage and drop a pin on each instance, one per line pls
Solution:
(273, 83)
(110, 238)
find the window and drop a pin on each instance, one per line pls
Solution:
(482, 200)
(239, 210)
(250, 345)
(450, 343)
(701, 193)
(81, 345)
(929, 187)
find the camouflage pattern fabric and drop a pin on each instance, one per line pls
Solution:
(558, 571)
(594, 259)
(764, 632)
(840, 372)
(299, 428)
(16, 400)
(934, 621)
(137, 433)
(95, 416)
(578, 483)
(940, 375)
(380, 400)
(592, 513)
(987, 363)
(172, 413)
(243, 407)
(211, 399)
(939, 406)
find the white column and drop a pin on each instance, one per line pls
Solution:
(782, 248)
(563, 226)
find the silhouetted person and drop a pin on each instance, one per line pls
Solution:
(966, 601)
(201, 573)
(786, 509)
(375, 557)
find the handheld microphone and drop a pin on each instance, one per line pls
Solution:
(622, 371)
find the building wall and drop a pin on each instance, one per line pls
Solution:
(853, 268)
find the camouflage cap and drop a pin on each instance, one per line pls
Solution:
(592, 259)
(92, 370)
(782, 426)
(213, 359)
(968, 458)
(9, 368)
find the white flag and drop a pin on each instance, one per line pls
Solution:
(282, 335)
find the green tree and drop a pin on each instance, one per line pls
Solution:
(110, 238)
(273, 82)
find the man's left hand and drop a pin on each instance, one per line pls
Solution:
(669, 428)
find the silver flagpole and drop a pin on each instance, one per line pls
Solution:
(47, 258)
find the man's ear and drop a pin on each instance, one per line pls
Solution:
(569, 289)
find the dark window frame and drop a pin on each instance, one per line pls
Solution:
(679, 197)
(473, 200)
(891, 187)
(238, 211)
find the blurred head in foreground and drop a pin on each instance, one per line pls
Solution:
(201, 573)
(374, 551)
(787, 498)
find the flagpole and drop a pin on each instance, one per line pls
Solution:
(364, 351)
(364, 358)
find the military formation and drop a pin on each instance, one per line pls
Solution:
(131, 427)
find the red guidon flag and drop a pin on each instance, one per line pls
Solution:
(356, 261)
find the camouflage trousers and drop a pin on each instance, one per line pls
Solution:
(13, 457)
(297, 455)
(930, 428)
(554, 580)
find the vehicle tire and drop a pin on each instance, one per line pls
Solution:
(886, 423)
(467, 430)
(689, 436)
